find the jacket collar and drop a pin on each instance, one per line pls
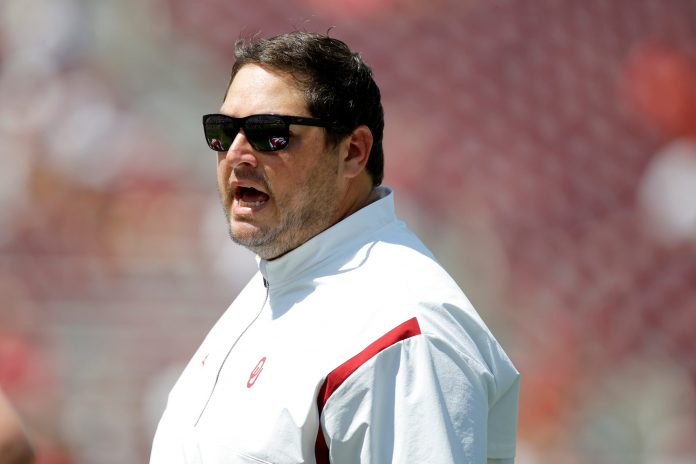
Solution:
(342, 239)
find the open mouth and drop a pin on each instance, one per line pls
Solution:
(249, 197)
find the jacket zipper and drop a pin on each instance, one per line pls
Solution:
(217, 377)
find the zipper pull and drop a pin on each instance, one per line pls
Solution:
(265, 282)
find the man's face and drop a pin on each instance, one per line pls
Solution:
(275, 201)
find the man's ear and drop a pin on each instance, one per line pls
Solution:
(357, 152)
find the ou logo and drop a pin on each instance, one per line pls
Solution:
(255, 373)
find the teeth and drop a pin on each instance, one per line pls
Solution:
(251, 204)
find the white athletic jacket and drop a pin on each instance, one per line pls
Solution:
(356, 347)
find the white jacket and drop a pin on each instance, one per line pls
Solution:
(356, 347)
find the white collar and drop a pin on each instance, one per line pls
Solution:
(348, 234)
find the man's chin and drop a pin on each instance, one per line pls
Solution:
(244, 233)
(267, 244)
(249, 236)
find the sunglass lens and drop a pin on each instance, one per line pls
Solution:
(220, 132)
(267, 133)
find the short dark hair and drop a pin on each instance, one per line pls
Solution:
(338, 85)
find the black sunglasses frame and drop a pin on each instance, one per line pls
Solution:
(268, 135)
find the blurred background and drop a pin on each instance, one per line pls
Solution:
(545, 150)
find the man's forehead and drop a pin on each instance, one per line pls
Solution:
(259, 89)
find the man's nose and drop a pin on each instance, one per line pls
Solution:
(241, 151)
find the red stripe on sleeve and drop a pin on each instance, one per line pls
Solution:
(336, 377)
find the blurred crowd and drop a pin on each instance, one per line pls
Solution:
(546, 152)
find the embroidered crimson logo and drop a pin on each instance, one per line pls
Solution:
(255, 373)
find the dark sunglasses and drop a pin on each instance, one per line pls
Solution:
(265, 132)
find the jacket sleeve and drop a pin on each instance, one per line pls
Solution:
(417, 401)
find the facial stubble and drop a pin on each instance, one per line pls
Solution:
(309, 210)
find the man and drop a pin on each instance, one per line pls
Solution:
(351, 344)
(14, 445)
